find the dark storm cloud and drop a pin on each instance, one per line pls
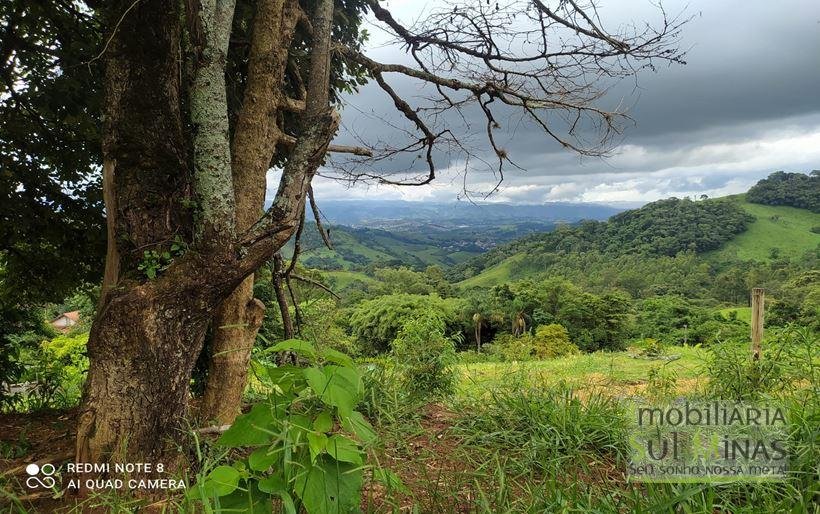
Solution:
(746, 103)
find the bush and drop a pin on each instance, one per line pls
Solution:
(387, 403)
(786, 363)
(549, 341)
(425, 356)
(552, 341)
(58, 369)
(545, 429)
(507, 347)
(376, 323)
(650, 348)
(304, 446)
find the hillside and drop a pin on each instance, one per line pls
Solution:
(356, 248)
(662, 228)
(787, 230)
(415, 235)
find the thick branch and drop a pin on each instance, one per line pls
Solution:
(318, 125)
(210, 27)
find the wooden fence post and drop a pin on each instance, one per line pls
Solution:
(757, 321)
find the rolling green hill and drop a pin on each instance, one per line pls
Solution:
(786, 229)
(774, 232)
(357, 248)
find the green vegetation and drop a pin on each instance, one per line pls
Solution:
(778, 231)
(305, 441)
(662, 228)
(793, 189)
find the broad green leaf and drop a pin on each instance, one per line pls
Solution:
(251, 429)
(323, 422)
(336, 386)
(263, 458)
(358, 424)
(298, 428)
(286, 376)
(274, 484)
(338, 357)
(330, 487)
(317, 444)
(343, 449)
(222, 481)
(251, 500)
(301, 348)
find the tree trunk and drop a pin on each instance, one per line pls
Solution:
(150, 327)
(237, 321)
(141, 343)
(234, 327)
(138, 384)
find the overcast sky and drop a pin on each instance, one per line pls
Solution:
(747, 103)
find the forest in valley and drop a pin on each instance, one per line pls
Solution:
(202, 312)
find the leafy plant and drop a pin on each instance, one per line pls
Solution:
(787, 361)
(377, 322)
(661, 383)
(425, 357)
(553, 341)
(650, 347)
(304, 444)
(154, 261)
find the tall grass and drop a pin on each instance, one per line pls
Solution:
(545, 429)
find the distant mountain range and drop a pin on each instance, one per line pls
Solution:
(396, 214)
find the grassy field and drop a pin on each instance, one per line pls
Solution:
(785, 228)
(504, 271)
(615, 373)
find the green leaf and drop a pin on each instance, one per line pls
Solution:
(251, 500)
(336, 386)
(263, 458)
(222, 481)
(317, 444)
(357, 424)
(302, 348)
(344, 449)
(323, 422)
(286, 376)
(251, 429)
(298, 427)
(274, 484)
(338, 357)
(330, 487)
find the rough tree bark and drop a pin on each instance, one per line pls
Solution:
(238, 318)
(148, 333)
(146, 175)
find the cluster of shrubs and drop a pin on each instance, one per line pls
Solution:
(548, 341)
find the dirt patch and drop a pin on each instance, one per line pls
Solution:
(430, 463)
(39, 437)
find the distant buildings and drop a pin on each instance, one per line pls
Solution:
(65, 321)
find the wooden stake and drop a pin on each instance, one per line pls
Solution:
(757, 321)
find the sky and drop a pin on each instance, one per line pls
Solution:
(747, 103)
